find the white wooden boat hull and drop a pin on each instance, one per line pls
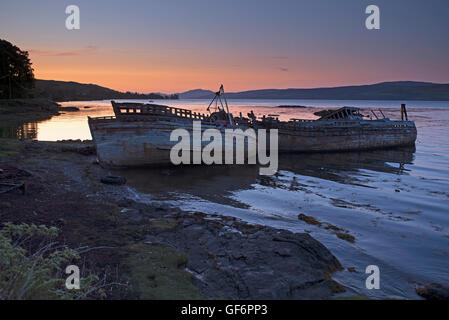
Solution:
(144, 143)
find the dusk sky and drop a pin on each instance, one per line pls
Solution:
(172, 46)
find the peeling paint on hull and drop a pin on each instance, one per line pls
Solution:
(143, 143)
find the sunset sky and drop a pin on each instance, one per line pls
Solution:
(173, 46)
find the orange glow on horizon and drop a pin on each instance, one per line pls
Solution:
(147, 81)
(173, 71)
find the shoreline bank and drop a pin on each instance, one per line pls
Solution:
(161, 252)
(20, 111)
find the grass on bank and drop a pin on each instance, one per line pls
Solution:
(32, 265)
(158, 272)
(9, 147)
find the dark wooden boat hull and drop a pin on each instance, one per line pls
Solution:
(326, 136)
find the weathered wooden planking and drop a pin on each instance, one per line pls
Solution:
(147, 142)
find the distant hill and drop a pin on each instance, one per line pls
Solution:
(72, 91)
(399, 90)
(197, 94)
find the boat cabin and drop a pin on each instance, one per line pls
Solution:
(345, 113)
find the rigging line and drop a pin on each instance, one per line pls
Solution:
(208, 108)
(221, 102)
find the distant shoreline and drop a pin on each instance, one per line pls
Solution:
(261, 99)
(64, 91)
(398, 90)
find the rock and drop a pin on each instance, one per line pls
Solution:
(434, 291)
(346, 236)
(309, 219)
(253, 263)
(133, 214)
(76, 146)
(284, 252)
(125, 202)
(115, 180)
(162, 207)
(69, 109)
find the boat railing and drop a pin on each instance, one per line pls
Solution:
(132, 109)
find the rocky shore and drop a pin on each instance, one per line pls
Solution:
(157, 251)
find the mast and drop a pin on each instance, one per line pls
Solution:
(217, 98)
(231, 121)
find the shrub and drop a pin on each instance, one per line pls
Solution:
(32, 265)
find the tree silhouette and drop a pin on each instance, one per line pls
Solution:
(16, 73)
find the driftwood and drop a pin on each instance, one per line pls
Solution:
(8, 187)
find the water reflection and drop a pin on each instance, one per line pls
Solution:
(73, 125)
(339, 166)
(217, 182)
(384, 198)
(213, 183)
(27, 131)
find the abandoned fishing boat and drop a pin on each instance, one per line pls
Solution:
(139, 134)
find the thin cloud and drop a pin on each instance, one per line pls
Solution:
(51, 53)
(283, 69)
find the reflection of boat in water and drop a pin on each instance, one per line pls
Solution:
(26, 131)
(215, 182)
(337, 166)
(139, 134)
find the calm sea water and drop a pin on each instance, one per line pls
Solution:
(395, 203)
